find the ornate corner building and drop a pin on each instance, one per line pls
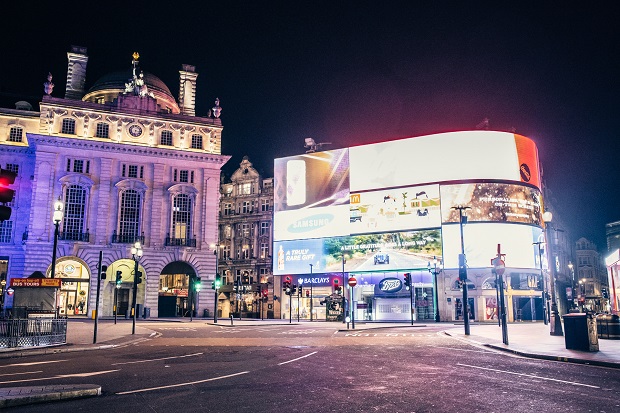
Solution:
(245, 248)
(130, 163)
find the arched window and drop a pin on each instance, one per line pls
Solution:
(75, 213)
(129, 219)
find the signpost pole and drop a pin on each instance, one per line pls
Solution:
(99, 270)
(499, 267)
(352, 284)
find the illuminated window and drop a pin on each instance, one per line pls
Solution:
(245, 207)
(264, 250)
(102, 130)
(244, 189)
(68, 126)
(228, 209)
(244, 229)
(226, 252)
(16, 134)
(196, 142)
(166, 138)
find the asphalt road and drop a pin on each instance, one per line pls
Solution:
(313, 367)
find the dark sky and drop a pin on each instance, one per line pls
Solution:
(359, 72)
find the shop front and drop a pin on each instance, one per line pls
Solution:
(74, 289)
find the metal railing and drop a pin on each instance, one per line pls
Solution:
(75, 236)
(32, 332)
(127, 238)
(180, 242)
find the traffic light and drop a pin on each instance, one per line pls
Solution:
(462, 267)
(119, 278)
(337, 287)
(407, 281)
(6, 194)
(294, 290)
(286, 285)
(265, 292)
(308, 293)
(197, 284)
(217, 283)
(139, 277)
(104, 269)
(604, 293)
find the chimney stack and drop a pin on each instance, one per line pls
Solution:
(187, 90)
(76, 73)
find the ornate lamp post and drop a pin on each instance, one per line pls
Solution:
(216, 282)
(58, 207)
(554, 318)
(433, 270)
(136, 254)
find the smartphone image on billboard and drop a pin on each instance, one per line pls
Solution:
(295, 182)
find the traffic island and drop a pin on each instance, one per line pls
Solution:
(19, 396)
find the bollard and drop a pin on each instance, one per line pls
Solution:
(231, 319)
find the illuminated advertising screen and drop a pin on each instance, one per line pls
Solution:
(311, 180)
(395, 209)
(363, 253)
(329, 221)
(481, 241)
(444, 157)
(492, 202)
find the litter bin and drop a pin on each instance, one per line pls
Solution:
(205, 313)
(608, 326)
(580, 332)
(147, 312)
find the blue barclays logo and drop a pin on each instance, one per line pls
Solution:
(390, 285)
(311, 223)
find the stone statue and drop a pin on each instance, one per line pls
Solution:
(217, 110)
(48, 86)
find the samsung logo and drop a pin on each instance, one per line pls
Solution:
(311, 223)
(390, 285)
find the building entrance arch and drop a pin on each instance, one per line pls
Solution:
(176, 298)
(74, 290)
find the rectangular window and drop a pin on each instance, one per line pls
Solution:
(166, 138)
(228, 209)
(245, 230)
(226, 252)
(183, 176)
(16, 134)
(68, 127)
(264, 228)
(102, 131)
(141, 172)
(13, 167)
(133, 171)
(191, 177)
(174, 175)
(244, 189)
(245, 207)
(6, 229)
(264, 250)
(78, 166)
(196, 142)
(264, 205)
(129, 222)
(68, 165)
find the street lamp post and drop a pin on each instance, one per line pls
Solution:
(136, 254)
(554, 318)
(463, 268)
(542, 278)
(311, 292)
(57, 217)
(217, 282)
(433, 270)
(571, 267)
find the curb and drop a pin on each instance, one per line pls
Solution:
(20, 396)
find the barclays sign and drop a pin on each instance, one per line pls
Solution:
(390, 285)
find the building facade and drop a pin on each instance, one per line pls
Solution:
(130, 163)
(383, 212)
(245, 247)
(590, 279)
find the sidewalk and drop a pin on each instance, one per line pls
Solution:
(533, 340)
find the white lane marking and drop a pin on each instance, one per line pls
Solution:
(460, 349)
(33, 363)
(183, 384)
(298, 358)
(17, 374)
(163, 358)
(94, 373)
(530, 375)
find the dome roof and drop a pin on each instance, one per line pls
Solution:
(114, 83)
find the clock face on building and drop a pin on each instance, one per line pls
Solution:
(135, 131)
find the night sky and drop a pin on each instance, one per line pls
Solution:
(358, 72)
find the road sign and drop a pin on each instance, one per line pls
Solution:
(500, 266)
(352, 282)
